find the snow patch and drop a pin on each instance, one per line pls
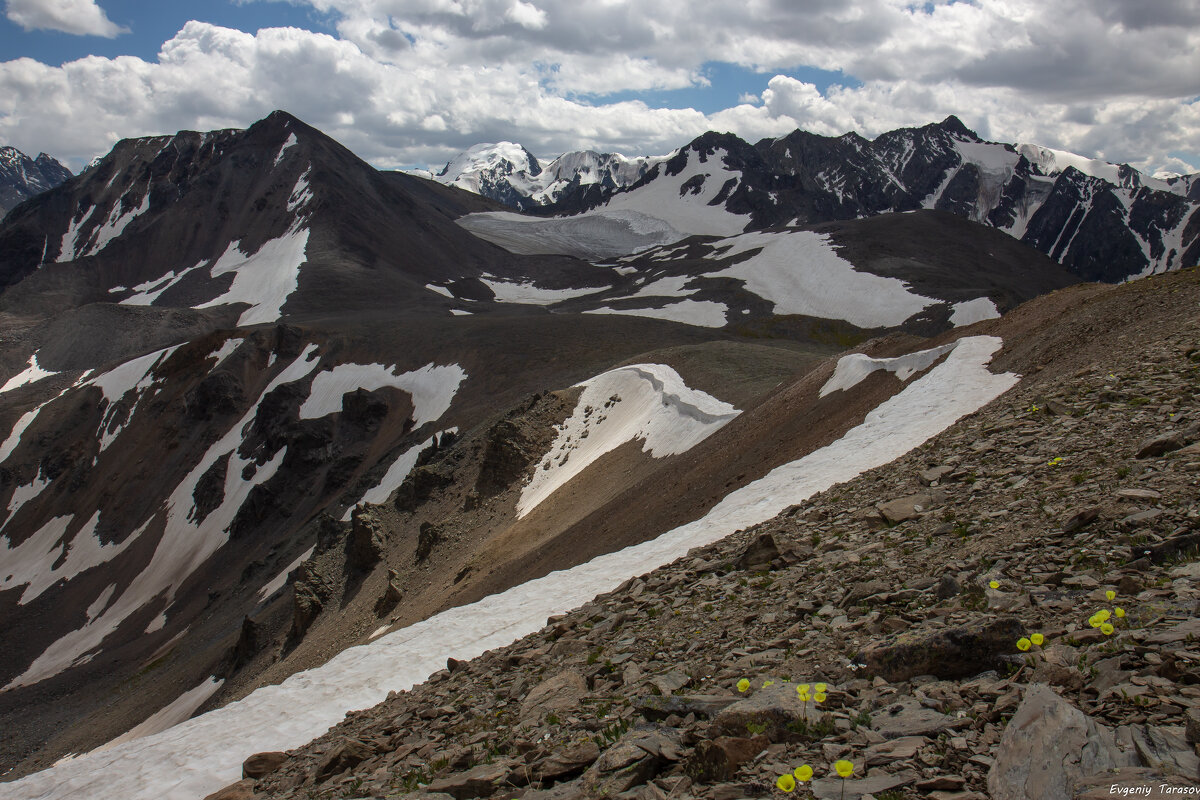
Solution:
(31, 563)
(225, 351)
(31, 374)
(23, 494)
(146, 293)
(799, 272)
(442, 290)
(972, 311)
(852, 369)
(432, 388)
(291, 141)
(275, 584)
(702, 313)
(263, 279)
(643, 401)
(205, 753)
(529, 294)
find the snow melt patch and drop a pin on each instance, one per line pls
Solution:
(972, 311)
(31, 374)
(702, 313)
(170, 715)
(263, 279)
(184, 545)
(800, 273)
(643, 401)
(205, 753)
(396, 474)
(432, 388)
(134, 376)
(852, 369)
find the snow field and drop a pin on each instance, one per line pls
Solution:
(800, 273)
(644, 401)
(204, 754)
(686, 212)
(432, 388)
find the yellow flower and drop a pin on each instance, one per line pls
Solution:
(1022, 644)
(820, 697)
(994, 584)
(1103, 615)
(743, 685)
(802, 688)
(821, 687)
(1107, 628)
(804, 697)
(786, 782)
(844, 768)
(803, 773)
(1110, 594)
(1037, 639)
(768, 683)
(1120, 612)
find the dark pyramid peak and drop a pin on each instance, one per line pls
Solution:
(954, 125)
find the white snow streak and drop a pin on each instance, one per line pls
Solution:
(644, 401)
(204, 754)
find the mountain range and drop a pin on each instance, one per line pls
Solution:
(266, 403)
(22, 177)
(1101, 221)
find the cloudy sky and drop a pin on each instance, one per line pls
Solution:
(408, 83)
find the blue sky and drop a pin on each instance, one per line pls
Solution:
(413, 82)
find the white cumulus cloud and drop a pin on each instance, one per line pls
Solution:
(413, 82)
(80, 17)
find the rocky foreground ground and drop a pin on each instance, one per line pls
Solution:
(906, 591)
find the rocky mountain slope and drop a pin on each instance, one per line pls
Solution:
(264, 402)
(1100, 221)
(911, 592)
(22, 177)
(284, 432)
